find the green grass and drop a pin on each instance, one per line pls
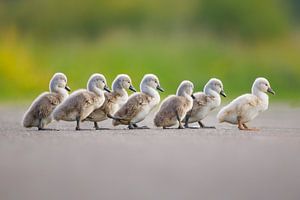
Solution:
(27, 64)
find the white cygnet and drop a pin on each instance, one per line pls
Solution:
(246, 107)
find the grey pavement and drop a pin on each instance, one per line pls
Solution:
(222, 163)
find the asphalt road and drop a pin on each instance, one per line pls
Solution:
(224, 163)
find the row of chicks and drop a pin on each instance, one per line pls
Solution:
(98, 103)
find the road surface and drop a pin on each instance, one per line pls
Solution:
(154, 164)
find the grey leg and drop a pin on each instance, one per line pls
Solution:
(96, 126)
(203, 126)
(131, 126)
(77, 124)
(41, 127)
(135, 126)
(186, 122)
(143, 127)
(179, 121)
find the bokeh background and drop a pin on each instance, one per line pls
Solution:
(233, 40)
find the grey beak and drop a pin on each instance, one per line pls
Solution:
(193, 96)
(68, 88)
(132, 88)
(106, 88)
(223, 93)
(160, 88)
(270, 90)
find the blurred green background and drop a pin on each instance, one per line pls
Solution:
(233, 40)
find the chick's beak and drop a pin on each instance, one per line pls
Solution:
(270, 90)
(132, 88)
(193, 96)
(160, 88)
(223, 93)
(68, 88)
(106, 88)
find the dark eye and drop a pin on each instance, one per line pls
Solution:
(266, 84)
